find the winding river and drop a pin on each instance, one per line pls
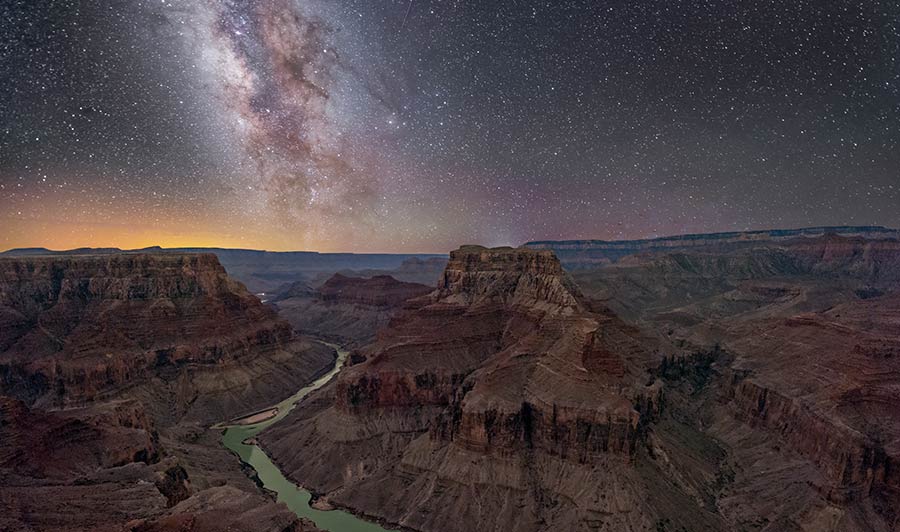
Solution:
(271, 477)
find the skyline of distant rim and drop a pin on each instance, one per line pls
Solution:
(798, 231)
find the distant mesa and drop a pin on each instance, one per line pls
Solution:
(583, 253)
(348, 310)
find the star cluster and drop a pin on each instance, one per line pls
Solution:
(378, 125)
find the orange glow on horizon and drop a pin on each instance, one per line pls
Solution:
(57, 235)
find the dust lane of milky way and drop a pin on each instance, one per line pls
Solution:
(415, 126)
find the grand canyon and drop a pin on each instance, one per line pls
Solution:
(449, 266)
(709, 382)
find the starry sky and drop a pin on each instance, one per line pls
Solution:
(398, 125)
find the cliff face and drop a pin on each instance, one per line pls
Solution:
(495, 311)
(505, 365)
(348, 310)
(590, 253)
(85, 326)
(810, 326)
(59, 445)
(775, 407)
(477, 276)
(111, 368)
(828, 385)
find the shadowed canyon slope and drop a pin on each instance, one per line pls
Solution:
(348, 310)
(743, 397)
(810, 326)
(111, 368)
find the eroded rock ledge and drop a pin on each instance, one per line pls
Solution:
(507, 400)
(111, 369)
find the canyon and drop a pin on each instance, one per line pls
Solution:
(112, 367)
(270, 271)
(575, 254)
(347, 310)
(738, 381)
(743, 387)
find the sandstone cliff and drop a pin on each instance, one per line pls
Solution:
(81, 328)
(112, 367)
(504, 377)
(507, 399)
(348, 310)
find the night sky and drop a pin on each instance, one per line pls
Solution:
(375, 125)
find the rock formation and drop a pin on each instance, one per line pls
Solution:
(744, 381)
(576, 254)
(348, 310)
(266, 271)
(809, 328)
(756, 390)
(112, 367)
(502, 371)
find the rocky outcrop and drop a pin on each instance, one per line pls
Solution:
(60, 445)
(506, 365)
(348, 310)
(113, 366)
(427, 271)
(855, 463)
(810, 326)
(378, 291)
(828, 388)
(420, 270)
(225, 508)
(87, 327)
(774, 409)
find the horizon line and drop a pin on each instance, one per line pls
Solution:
(819, 228)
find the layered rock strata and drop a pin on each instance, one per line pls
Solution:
(112, 367)
(348, 310)
(506, 399)
(504, 377)
(577, 254)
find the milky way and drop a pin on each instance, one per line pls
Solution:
(273, 74)
(396, 125)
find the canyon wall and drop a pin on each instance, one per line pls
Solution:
(347, 310)
(112, 368)
(755, 388)
(588, 253)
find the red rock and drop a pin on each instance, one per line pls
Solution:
(378, 291)
(509, 387)
(506, 362)
(136, 355)
(348, 310)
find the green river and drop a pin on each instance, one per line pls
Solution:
(296, 498)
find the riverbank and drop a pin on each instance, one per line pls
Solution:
(240, 438)
(258, 417)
